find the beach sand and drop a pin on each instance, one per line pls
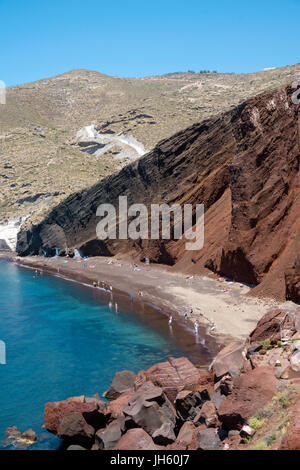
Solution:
(214, 301)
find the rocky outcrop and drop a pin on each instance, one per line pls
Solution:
(269, 327)
(243, 166)
(250, 393)
(173, 376)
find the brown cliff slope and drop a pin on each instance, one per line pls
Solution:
(244, 167)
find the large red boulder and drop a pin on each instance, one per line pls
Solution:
(55, 412)
(230, 358)
(250, 393)
(172, 376)
(136, 439)
(268, 326)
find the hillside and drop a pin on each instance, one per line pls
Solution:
(43, 156)
(243, 165)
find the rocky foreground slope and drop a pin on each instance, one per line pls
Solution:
(243, 166)
(249, 399)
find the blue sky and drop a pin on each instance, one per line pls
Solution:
(134, 38)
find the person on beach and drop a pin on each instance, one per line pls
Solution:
(191, 312)
(140, 293)
(170, 321)
(131, 296)
(185, 315)
(196, 327)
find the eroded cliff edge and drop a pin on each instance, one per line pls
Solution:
(244, 167)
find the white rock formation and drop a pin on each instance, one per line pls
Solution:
(131, 148)
(9, 230)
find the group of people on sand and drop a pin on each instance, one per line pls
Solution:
(188, 314)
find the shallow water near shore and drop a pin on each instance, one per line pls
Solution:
(63, 340)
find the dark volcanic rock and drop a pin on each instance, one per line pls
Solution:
(208, 439)
(150, 409)
(243, 166)
(29, 435)
(186, 404)
(122, 382)
(107, 438)
(75, 430)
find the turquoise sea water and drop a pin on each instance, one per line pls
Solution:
(62, 341)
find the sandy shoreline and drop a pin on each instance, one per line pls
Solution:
(214, 302)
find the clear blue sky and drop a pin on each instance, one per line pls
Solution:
(41, 38)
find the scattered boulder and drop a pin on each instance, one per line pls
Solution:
(224, 385)
(186, 434)
(207, 415)
(247, 431)
(55, 412)
(186, 404)
(75, 430)
(13, 432)
(122, 382)
(250, 393)
(108, 438)
(173, 376)
(230, 358)
(29, 435)
(165, 434)
(149, 408)
(208, 439)
(136, 439)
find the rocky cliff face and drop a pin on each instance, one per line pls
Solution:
(243, 166)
